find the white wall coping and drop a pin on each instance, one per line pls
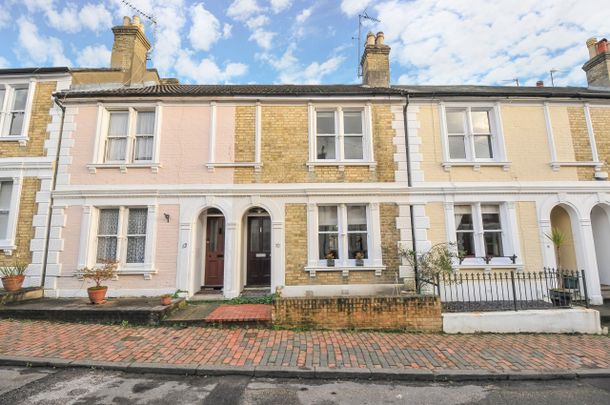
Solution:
(571, 320)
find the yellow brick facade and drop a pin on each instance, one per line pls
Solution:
(600, 120)
(37, 132)
(284, 148)
(25, 231)
(580, 141)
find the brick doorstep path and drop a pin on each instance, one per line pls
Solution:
(258, 347)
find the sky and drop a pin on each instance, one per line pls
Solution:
(488, 42)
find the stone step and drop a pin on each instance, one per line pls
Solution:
(254, 292)
(222, 315)
(25, 294)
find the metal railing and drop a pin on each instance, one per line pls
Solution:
(511, 290)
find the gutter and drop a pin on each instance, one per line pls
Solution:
(51, 199)
(410, 184)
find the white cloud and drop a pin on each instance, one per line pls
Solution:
(5, 16)
(206, 71)
(95, 17)
(292, 71)
(304, 15)
(277, 6)
(205, 28)
(257, 22)
(353, 7)
(38, 49)
(251, 14)
(3, 62)
(93, 56)
(70, 19)
(242, 9)
(482, 42)
(226, 30)
(263, 38)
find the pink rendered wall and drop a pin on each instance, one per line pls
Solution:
(183, 150)
(165, 257)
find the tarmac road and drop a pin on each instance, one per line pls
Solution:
(85, 386)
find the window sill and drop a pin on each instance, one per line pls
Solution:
(23, 140)
(147, 272)
(476, 166)
(341, 164)
(257, 166)
(7, 247)
(490, 266)
(597, 165)
(93, 167)
(344, 269)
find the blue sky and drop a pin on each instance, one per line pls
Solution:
(300, 41)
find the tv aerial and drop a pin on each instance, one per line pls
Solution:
(153, 22)
(361, 18)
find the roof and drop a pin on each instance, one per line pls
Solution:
(238, 90)
(503, 91)
(37, 70)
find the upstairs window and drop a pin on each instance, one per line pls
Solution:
(130, 136)
(471, 134)
(340, 135)
(13, 105)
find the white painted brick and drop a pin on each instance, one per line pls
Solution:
(398, 157)
(56, 245)
(401, 177)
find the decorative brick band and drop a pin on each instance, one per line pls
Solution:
(414, 313)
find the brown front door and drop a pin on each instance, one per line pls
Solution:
(215, 252)
(259, 251)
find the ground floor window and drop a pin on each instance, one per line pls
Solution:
(6, 191)
(479, 230)
(121, 235)
(343, 232)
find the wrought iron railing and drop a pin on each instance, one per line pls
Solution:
(511, 290)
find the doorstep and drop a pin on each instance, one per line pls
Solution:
(223, 315)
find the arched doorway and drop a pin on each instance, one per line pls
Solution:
(561, 220)
(257, 224)
(211, 250)
(600, 224)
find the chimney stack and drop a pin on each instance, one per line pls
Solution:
(129, 50)
(375, 61)
(598, 66)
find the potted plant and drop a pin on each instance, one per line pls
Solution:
(560, 296)
(166, 299)
(13, 276)
(359, 259)
(431, 265)
(330, 259)
(97, 293)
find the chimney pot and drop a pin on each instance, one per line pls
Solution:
(591, 47)
(126, 21)
(602, 46)
(539, 83)
(597, 67)
(379, 38)
(370, 38)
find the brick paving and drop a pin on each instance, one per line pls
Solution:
(262, 347)
(240, 313)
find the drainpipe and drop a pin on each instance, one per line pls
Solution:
(45, 253)
(410, 184)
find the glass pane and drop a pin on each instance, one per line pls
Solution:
(325, 122)
(2, 93)
(213, 234)
(356, 218)
(106, 248)
(146, 123)
(463, 219)
(352, 122)
(3, 224)
(21, 97)
(109, 222)
(118, 125)
(327, 218)
(326, 147)
(493, 243)
(328, 244)
(16, 123)
(266, 235)
(480, 122)
(357, 243)
(353, 147)
(457, 149)
(255, 234)
(115, 149)
(482, 146)
(465, 243)
(6, 189)
(491, 221)
(455, 122)
(144, 148)
(136, 225)
(136, 246)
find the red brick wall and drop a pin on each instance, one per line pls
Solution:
(415, 313)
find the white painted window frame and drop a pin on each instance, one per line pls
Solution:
(103, 119)
(343, 264)
(509, 232)
(497, 137)
(89, 233)
(368, 158)
(8, 244)
(5, 109)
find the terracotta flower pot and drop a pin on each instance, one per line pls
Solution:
(97, 295)
(166, 300)
(12, 283)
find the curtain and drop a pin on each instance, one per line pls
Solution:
(136, 235)
(356, 218)
(146, 123)
(144, 148)
(6, 189)
(119, 122)
(108, 228)
(327, 218)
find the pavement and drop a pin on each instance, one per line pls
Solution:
(43, 386)
(303, 354)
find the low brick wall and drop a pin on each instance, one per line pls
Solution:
(414, 313)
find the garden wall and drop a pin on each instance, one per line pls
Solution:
(414, 313)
